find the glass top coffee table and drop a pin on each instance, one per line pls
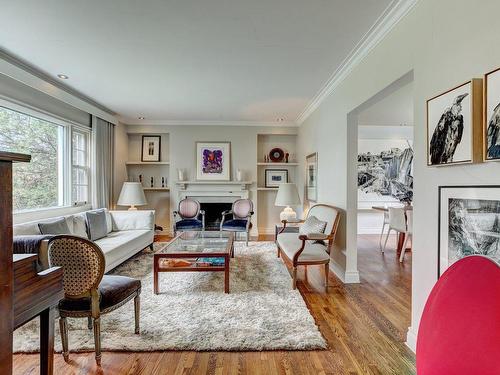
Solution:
(207, 251)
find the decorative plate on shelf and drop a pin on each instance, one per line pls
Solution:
(276, 155)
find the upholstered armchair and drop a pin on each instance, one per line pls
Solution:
(242, 212)
(187, 217)
(88, 293)
(310, 248)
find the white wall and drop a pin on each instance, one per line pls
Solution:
(182, 140)
(445, 43)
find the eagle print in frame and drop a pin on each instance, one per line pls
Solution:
(454, 125)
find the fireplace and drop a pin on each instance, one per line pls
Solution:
(213, 214)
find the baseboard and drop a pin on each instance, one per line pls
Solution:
(267, 231)
(411, 339)
(352, 277)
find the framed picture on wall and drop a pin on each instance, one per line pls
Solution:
(469, 223)
(312, 177)
(275, 177)
(454, 126)
(492, 115)
(213, 161)
(151, 148)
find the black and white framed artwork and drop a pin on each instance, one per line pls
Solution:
(454, 134)
(469, 223)
(492, 115)
(151, 148)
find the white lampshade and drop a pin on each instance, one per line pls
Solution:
(287, 195)
(132, 195)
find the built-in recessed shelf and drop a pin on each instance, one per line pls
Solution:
(278, 164)
(214, 182)
(147, 163)
(156, 189)
(267, 188)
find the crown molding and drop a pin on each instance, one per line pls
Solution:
(128, 121)
(29, 75)
(394, 12)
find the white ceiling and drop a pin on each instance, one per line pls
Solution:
(187, 60)
(393, 110)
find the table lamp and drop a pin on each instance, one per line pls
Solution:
(287, 196)
(132, 195)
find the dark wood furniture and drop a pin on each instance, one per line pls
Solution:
(37, 294)
(7, 273)
(196, 245)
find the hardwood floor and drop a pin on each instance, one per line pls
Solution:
(364, 324)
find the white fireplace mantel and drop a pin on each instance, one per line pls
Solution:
(184, 185)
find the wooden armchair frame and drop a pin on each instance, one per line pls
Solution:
(295, 262)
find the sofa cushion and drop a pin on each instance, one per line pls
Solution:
(290, 243)
(58, 226)
(31, 227)
(113, 289)
(129, 220)
(118, 246)
(96, 224)
(80, 225)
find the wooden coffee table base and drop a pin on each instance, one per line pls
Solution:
(193, 268)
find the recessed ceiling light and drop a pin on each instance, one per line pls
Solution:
(63, 76)
(142, 118)
(280, 119)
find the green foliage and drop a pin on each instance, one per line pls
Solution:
(35, 184)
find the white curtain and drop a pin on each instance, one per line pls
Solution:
(103, 146)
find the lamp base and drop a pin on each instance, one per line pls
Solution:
(132, 208)
(288, 214)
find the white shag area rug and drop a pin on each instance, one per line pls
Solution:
(261, 312)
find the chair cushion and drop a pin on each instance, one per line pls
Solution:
(112, 289)
(312, 225)
(235, 225)
(289, 243)
(188, 224)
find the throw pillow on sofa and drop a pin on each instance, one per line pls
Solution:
(312, 225)
(96, 224)
(59, 226)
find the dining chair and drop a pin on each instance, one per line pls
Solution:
(397, 222)
(386, 222)
(88, 293)
(408, 234)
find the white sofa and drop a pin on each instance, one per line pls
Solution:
(128, 232)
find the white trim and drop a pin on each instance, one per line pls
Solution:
(31, 77)
(134, 122)
(394, 12)
(47, 213)
(411, 339)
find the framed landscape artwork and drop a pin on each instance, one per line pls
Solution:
(469, 223)
(454, 126)
(492, 115)
(312, 177)
(275, 177)
(151, 148)
(213, 161)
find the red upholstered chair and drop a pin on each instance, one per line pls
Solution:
(459, 333)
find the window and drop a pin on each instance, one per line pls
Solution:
(80, 167)
(58, 174)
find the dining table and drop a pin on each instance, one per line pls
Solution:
(401, 236)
